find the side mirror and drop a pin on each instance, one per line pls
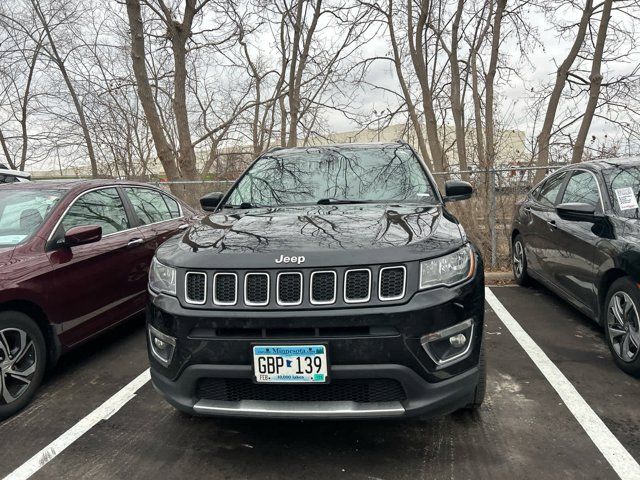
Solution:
(455, 190)
(577, 212)
(211, 201)
(82, 235)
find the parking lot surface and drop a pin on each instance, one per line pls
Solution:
(524, 430)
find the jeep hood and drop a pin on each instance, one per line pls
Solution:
(323, 234)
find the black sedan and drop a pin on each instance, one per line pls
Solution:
(578, 233)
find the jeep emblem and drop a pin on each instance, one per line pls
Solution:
(284, 259)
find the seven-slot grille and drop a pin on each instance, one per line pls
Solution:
(291, 288)
(196, 288)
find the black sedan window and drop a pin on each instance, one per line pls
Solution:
(582, 188)
(624, 190)
(549, 192)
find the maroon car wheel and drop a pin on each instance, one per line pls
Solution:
(22, 361)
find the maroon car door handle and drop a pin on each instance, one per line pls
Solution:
(134, 242)
(184, 226)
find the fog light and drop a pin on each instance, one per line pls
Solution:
(162, 346)
(450, 344)
(458, 341)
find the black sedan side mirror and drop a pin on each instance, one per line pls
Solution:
(455, 190)
(577, 212)
(211, 201)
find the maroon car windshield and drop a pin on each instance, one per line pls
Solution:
(23, 211)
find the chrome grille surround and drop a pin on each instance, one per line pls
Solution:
(335, 288)
(380, 283)
(346, 286)
(195, 301)
(246, 286)
(215, 289)
(278, 284)
(320, 287)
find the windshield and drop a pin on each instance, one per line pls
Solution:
(22, 213)
(334, 175)
(624, 190)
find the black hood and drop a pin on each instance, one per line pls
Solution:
(324, 235)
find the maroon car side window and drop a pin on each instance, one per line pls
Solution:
(102, 207)
(149, 205)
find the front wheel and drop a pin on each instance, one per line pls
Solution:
(622, 325)
(519, 261)
(481, 388)
(22, 361)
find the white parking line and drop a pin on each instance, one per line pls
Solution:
(103, 412)
(618, 457)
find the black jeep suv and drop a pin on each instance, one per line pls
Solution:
(329, 282)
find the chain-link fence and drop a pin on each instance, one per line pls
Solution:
(486, 217)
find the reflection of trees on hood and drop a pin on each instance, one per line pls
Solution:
(414, 224)
(203, 231)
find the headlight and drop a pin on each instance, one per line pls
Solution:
(447, 270)
(162, 278)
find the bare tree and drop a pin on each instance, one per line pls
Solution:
(562, 73)
(595, 80)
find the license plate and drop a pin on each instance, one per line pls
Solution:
(290, 363)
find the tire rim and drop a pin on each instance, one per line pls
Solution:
(622, 323)
(18, 364)
(518, 259)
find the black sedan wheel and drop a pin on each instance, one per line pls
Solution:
(22, 361)
(519, 261)
(623, 325)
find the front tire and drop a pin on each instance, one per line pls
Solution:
(622, 325)
(481, 388)
(22, 361)
(519, 262)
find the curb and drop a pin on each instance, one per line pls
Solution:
(498, 277)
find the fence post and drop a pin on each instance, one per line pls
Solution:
(492, 217)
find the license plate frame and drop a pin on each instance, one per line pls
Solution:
(289, 346)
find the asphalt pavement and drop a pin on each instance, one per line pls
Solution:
(524, 430)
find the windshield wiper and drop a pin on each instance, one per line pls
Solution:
(341, 201)
(244, 205)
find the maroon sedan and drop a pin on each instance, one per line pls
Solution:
(74, 258)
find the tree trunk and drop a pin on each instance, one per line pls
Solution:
(186, 152)
(145, 93)
(489, 85)
(72, 91)
(422, 145)
(595, 79)
(544, 137)
(24, 110)
(456, 104)
(5, 150)
(417, 50)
